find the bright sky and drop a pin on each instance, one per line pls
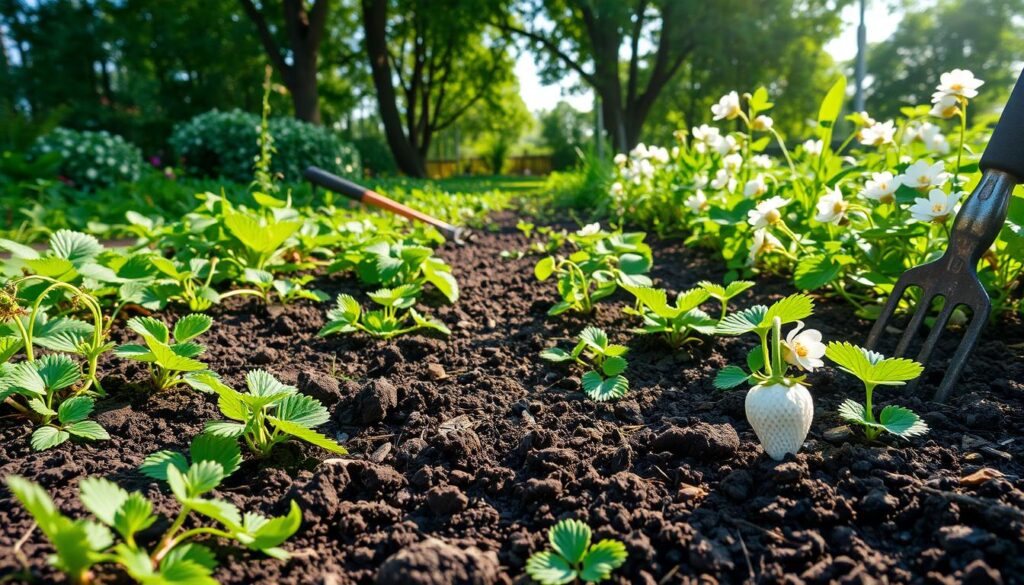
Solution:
(879, 23)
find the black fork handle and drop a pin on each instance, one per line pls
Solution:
(367, 196)
(1005, 150)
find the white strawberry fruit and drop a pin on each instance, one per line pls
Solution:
(781, 416)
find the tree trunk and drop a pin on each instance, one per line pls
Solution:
(305, 94)
(375, 31)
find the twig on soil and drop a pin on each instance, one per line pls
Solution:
(975, 502)
(746, 556)
(669, 575)
(16, 550)
(774, 533)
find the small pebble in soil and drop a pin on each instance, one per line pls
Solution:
(436, 372)
(446, 500)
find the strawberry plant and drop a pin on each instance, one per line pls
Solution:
(171, 358)
(389, 265)
(118, 530)
(678, 323)
(28, 326)
(391, 320)
(723, 294)
(268, 414)
(188, 283)
(873, 370)
(601, 261)
(572, 556)
(43, 390)
(603, 380)
(778, 406)
(205, 447)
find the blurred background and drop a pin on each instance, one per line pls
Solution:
(436, 88)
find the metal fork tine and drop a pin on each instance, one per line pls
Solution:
(936, 332)
(960, 359)
(887, 312)
(915, 323)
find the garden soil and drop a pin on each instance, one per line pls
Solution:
(465, 450)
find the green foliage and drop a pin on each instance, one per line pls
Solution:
(875, 370)
(594, 270)
(603, 379)
(268, 414)
(118, 518)
(224, 144)
(677, 323)
(387, 264)
(572, 556)
(92, 159)
(171, 357)
(391, 320)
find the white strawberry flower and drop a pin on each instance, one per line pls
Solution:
(936, 208)
(723, 180)
(923, 176)
(959, 83)
(728, 107)
(878, 134)
(761, 161)
(881, 187)
(588, 230)
(763, 123)
(675, 152)
(944, 105)
(767, 212)
(813, 147)
(867, 120)
(933, 138)
(755, 187)
(617, 188)
(639, 151)
(763, 243)
(705, 133)
(698, 202)
(831, 207)
(658, 154)
(723, 145)
(700, 180)
(620, 159)
(803, 348)
(733, 161)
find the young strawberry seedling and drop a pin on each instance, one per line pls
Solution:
(723, 294)
(601, 261)
(778, 406)
(873, 370)
(44, 387)
(572, 556)
(189, 284)
(390, 321)
(603, 380)
(171, 361)
(677, 324)
(205, 447)
(121, 521)
(390, 265)
(268, 414)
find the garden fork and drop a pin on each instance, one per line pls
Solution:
(954, 276)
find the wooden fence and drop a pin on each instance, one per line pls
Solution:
(525, 166)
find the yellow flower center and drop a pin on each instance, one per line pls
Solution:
(938, 208)
(799, 349)
(924, 180)
(839, 207)
(772, 216)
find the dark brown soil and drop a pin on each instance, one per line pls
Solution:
(466, 450)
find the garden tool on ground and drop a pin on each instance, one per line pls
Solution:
(954, 276)
(367, 196)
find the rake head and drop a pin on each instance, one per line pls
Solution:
(954, 279)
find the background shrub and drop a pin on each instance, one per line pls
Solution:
(224, 144)
(92, 159)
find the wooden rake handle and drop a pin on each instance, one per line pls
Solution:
(367, 196)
